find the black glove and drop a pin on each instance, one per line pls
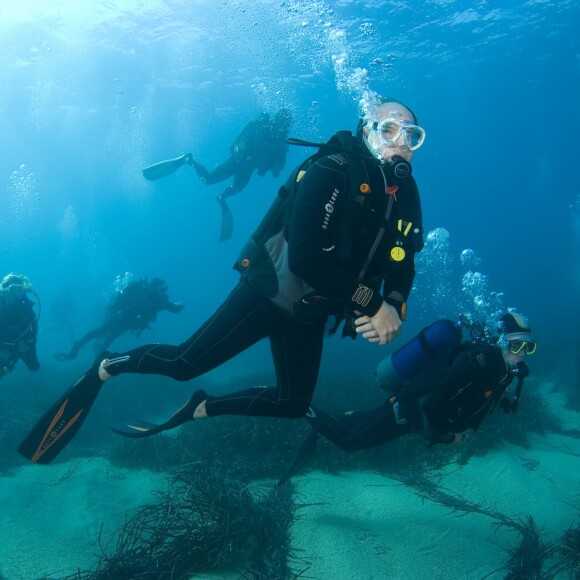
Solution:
(349, 328)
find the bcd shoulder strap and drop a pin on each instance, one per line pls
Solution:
(279, 212)
(264, 257)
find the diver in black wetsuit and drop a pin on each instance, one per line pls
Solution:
(316, 271)
(260, 147)
(132, 309)
(347, 247)
(18, 324)
(448, 409)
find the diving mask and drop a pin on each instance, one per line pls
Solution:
(15, 284)
(516, 346)
(391, 132)
(14, 289)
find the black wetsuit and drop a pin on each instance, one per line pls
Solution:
(476, 378)
(18, 333)
(247, 316)
(261, 147)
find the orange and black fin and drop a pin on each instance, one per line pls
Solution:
(56, 428)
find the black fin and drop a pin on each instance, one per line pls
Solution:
(56, 428)
(164, 168)
(138, 429)
(227, 221)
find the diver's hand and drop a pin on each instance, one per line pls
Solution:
(462, 436)
(381, 328)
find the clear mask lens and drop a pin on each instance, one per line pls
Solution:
(395, 133)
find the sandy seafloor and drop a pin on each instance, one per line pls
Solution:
(364, 525)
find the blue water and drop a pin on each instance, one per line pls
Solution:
(91, 92)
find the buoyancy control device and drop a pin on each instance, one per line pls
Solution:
(264, 258)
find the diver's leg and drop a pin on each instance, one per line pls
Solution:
(201, 171)
(221, 172)
(241, 321)
(104, 344)
(358, 430)
(91, 335)
(242, 177)
(297, 350)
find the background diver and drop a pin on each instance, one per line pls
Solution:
(448, 402)
(260, 147)
(18, 323)
(132, 309)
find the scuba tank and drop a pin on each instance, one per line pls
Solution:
(411, 358)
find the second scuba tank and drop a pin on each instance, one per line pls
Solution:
(406, 362)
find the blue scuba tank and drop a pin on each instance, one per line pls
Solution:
(406, 362)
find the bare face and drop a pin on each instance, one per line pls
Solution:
(386, 140)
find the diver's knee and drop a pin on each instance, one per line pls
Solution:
(298, 409)
(183, 376)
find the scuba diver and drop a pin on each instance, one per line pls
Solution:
(18, 323)
(132, 309)
(340, 237)
(260, 147)
(448, 401)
